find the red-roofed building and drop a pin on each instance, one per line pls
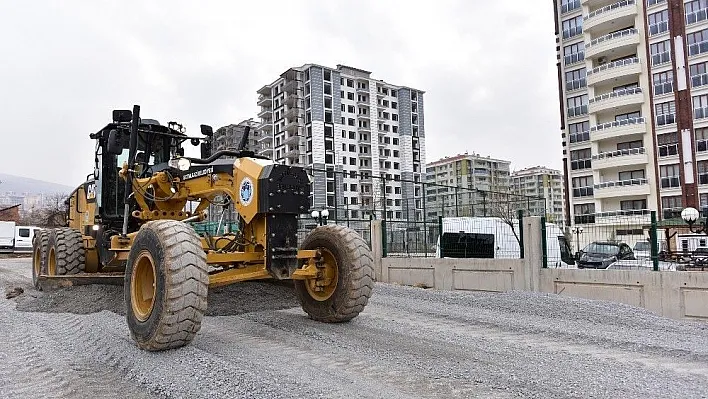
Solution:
(10, 214)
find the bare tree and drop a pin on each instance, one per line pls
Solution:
(52, 213)
(506, 210)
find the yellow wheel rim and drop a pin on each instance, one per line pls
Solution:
(36, 262)
(142, 286)
(52, 262)
(322, 287)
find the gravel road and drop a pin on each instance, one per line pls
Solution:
(408, 343)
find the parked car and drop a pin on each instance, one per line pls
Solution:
(7, 236)
(601, 254)
(23, 238)
(642, 249)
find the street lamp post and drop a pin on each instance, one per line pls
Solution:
(320, 216)
(690, 216)
(577, 231)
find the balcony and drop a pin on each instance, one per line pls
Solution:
(291, 113)
(292, 139)
(265, 101)
(614, 159)
(266, 151)
(265, 138)
(622, 13)
(619, 102)
(266, 125)
(616, 43)
(624, 217)
(594, 4)
(265, 113)
(291, 87)
(292, 126)
(622, 188)
(624, 127)
(292, 100)
(618, 72)
(294, 153)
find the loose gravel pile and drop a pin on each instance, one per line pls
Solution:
(408, 343)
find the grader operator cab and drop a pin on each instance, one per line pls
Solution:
(129, 221)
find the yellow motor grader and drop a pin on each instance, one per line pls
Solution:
(130, 222)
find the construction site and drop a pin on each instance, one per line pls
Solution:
(136, 297)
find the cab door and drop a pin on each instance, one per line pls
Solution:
(23, 237)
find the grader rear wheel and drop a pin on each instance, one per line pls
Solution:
(65, 253)
(345, 275)
(166, 284)
(40, 242)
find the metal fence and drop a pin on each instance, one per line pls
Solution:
(413, 213)
(626, 240)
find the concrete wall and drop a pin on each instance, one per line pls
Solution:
(671, 294)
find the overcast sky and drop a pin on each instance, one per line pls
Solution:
(487, 67)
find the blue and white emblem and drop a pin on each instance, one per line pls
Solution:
(246, 191)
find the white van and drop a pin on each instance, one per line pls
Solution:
(7, 236)
(492, 237)
(23, 237)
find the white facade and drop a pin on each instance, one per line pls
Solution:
(541, 182)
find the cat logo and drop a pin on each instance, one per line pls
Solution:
(91, 191)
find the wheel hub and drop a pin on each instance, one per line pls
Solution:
(323, 286)
(52, 264)
(142, 286)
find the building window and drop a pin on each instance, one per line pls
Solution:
(631, 115)
(701, 139)
(575, 80)
(579, 132)
(700, 107)
(695, 11)
(702, 172)
(569, 5)
(629, 145)
(580, 159)
(663, 83)
(577, 105)
(672, 207)
(574, 53)
(572, 27)
(660, 52)
(697, 42)
(658, 22)
(584, 213)
(699, 77)
(629, 175)
(665, 113)
(669, 176)
(653, 2)
(582, 186)
(633, 204)
(668, 144)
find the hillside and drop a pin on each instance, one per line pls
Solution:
(19, 184)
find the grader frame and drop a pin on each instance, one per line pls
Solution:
(164, 266)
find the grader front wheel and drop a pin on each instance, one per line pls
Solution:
(345, 275)
(65, 253)
(166, 284)
(40, 242)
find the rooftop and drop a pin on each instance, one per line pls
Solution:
(459, 157)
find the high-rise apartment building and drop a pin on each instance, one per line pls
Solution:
(541, 182)
(466, 185)
(342, 120)
(633, 87)
(229, 137)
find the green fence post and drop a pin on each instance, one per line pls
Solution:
(543, 242)
(654, 242)
(440, 233)
(384, 240)
(520, 215)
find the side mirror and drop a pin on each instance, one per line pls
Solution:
(206, 150)
(121, 115)
(114, 146)
(207, 130)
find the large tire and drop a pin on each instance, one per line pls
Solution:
(66, 254)
(40, 243)
(166, 285)
(350, 289)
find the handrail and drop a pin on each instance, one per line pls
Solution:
(611, 7)
(628, 61)
(619, 153)
(622, 183)
(623, 122)
(625, 32)
(618, 93)
(626, 212)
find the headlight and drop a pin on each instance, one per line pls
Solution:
(184, 164)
